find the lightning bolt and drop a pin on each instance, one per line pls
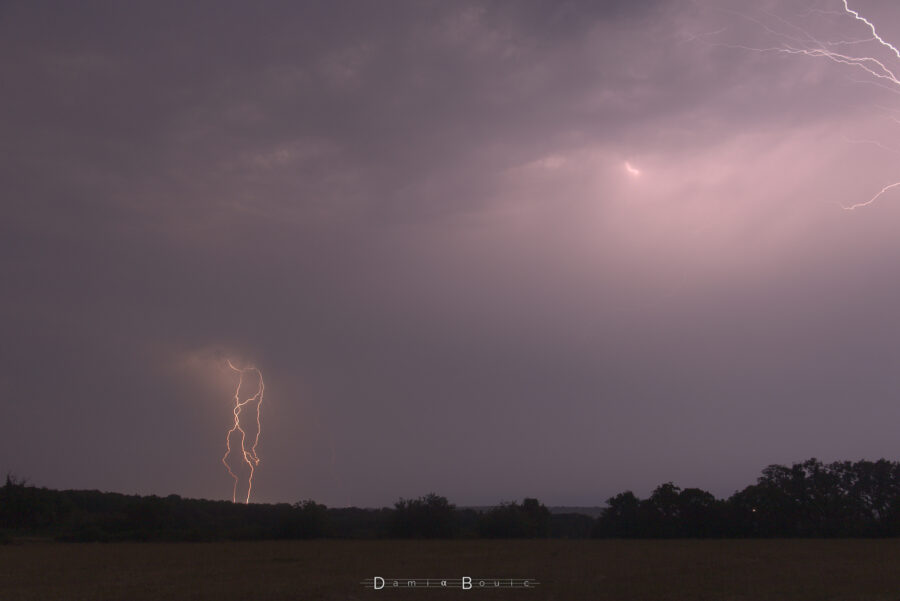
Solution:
(801, 42)
(872, 29)
(249, 455)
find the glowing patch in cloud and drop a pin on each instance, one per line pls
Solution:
(632, 170)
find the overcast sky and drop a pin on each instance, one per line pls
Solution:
(486, 249)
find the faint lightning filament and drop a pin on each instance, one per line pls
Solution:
(249, 455)
(873, 199)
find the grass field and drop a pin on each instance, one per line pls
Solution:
(681, 570)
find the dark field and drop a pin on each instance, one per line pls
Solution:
(568, 570)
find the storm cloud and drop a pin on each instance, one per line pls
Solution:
(416, 220)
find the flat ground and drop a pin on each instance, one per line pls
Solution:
(683, 570)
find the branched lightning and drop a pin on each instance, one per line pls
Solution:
(249, 455)
(879, 71)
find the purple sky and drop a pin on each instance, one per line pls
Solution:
(417, 219)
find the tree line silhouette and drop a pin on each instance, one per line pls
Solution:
(808, 499)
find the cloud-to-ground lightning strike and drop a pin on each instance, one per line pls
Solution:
(801, 42)
(249, 455)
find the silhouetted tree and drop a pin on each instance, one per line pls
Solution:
(531, 519)
(431, 516)
(305, 519)
(660, 515)
(620, 518)
(700, 514)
